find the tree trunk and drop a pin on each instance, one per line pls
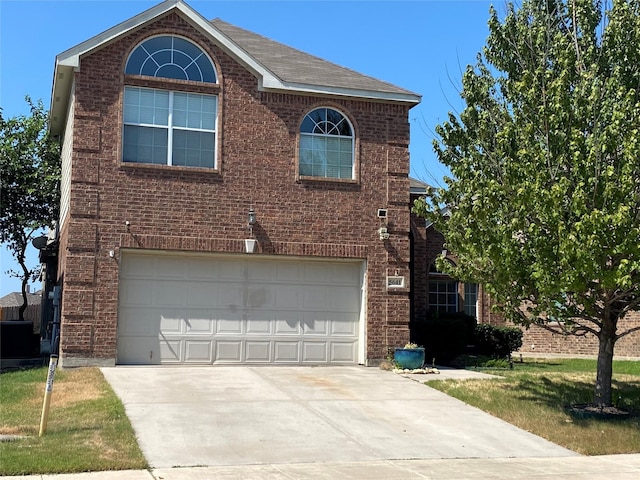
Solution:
(25, 282)
(606, 342)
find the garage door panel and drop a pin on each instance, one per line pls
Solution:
(316, 323)
(199, 294)
(231, 270)
(199, 323)
(138, 321)
(288, 323)
(343, 352)
(171, 321)
(258, 351)
(288, 297)
(260, 296)
(259, 326)
(198, 351)
(170, 293)
(342, 325)
(207, 309)
(170, 267)
(226, 326)
(139, 350)
(171, 350)
(205, 270)
(314, 352)
(345, 299)
(137, 294)
(229, 351)
(286, 352)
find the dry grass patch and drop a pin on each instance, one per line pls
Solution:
(87, 428)
(537, 402)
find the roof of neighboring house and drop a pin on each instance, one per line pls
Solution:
(276, 66)
(14, 299)
(418, 187)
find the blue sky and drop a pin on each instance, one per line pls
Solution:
(421, 45)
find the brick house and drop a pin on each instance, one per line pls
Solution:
(227, 199)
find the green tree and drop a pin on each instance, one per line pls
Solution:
(29, 185)
(544, 197)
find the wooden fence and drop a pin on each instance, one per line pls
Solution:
(31, 314)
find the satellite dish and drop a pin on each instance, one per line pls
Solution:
(40, 242)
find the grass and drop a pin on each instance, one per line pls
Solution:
(87, 428)
(534, 396)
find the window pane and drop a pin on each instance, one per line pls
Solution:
(145, 145)
(193, 149)
(471, 299)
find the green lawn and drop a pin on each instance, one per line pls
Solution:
(535, 394)
(87, 428)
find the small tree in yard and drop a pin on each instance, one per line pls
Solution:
(544, 198)
(29, 185)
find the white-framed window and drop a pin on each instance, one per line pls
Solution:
(169, 128)
(471, 299)
(326, 145)
(166, 127)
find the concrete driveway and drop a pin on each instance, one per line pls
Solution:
(212, 416)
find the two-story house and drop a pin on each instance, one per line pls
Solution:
(227, 199)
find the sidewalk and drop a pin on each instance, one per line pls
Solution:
(608, 467)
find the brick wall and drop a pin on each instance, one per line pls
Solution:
(174, 208)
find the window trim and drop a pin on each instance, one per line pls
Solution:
(355, 148)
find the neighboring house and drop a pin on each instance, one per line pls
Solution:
(181, 139)
(442, 294)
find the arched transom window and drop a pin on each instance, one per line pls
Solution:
(326, 145)
(171, 57)
(167, 127)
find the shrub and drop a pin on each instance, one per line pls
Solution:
(444, 336)
(496, 342)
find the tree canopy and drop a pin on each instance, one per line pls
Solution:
(29, 184)
(544, 197)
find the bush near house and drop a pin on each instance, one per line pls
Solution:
(496, 342)
(444, 336)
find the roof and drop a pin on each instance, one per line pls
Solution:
(301, 70)
(276, 66)
(14, 299)
(417, 187)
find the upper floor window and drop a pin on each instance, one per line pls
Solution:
(167, 127)
(171, 57)
(326, 145)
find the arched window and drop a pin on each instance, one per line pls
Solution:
(171, 57)
(326, 145)
(168, 127)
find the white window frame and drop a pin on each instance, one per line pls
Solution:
(170, 128)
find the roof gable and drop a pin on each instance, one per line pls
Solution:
(276, 66)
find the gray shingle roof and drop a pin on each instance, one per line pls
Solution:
(296, 67)
(14, 299)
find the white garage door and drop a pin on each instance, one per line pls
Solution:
(207, 309)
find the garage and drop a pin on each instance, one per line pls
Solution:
(215, 309)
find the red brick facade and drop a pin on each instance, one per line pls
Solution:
(200, 210)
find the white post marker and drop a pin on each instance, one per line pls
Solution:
(48, 389)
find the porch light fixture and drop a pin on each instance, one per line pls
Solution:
(251, 218)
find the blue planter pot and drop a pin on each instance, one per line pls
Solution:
(410, 358)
